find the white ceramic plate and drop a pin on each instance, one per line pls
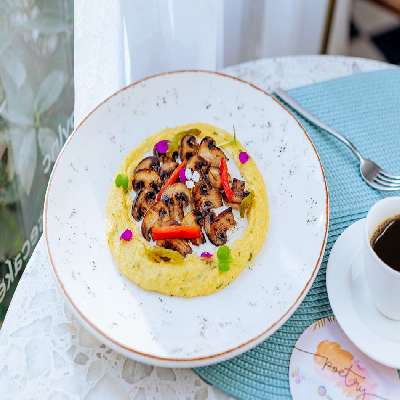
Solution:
(171, 331)
(374, 334)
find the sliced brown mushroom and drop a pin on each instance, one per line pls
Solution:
(177, 197)
(144, 200)
(150, 162)
(168, 166)
(239, 190)
(210, 152)
(157, 215)
(239, 193)
(214, 176)
(216, 227)
(205, 196)
(146, 178)
(188, 147)
(197, 163)
(180, 245)
(194, 218)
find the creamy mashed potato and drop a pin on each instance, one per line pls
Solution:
(195, 276)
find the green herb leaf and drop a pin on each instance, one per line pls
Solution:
(246, 204)
(223, 252)
(176, 141)
(224, 258)
(122, 181)
(230, 142)
(159, 254)
(223, 266)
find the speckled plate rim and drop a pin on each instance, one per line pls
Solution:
(195, 361)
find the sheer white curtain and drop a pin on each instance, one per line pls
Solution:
(118, 41)
(165, 35)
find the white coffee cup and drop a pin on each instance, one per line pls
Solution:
(383, 281)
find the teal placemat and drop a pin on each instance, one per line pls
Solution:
(366, 108)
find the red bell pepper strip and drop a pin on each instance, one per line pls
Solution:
(176, 232)
(225, 180)
(172, 179)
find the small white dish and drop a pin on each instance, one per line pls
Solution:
(352, 304)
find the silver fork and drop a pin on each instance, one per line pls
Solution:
(371, 172)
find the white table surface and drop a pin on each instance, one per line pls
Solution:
(45, 354)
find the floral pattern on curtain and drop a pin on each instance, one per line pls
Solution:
(36, 117)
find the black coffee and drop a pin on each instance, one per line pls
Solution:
(386, 242)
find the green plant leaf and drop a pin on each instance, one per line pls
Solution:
(14, 67)
(46, 140)
(14, 116)
(10, 233)
(49, 91)
(8, 194)
(24, 149)
(6, 164)
(18, 106)
(3, 143)
(3, 174)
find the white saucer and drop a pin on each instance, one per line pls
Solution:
(374, 334)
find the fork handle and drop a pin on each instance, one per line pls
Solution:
(314, 120)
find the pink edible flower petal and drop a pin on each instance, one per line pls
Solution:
(206, 254)
(182, 175)
(126, 235)
(243, 157)
(162, 146)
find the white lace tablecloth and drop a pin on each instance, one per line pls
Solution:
(46, 355)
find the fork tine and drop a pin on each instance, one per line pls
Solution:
(389, 176)
(384, 178)
(388, 189)
(386, 182)
(382, 188)
(385, 185)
